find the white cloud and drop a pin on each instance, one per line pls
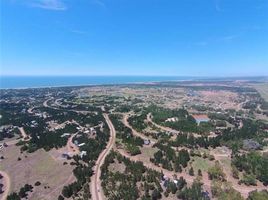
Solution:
(49, 4)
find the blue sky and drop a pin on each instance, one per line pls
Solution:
(134, 37)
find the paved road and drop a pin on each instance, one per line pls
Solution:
(95, 185)
(7, 184)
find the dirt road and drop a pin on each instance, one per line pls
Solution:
(167, 129)
(24, 135)
(6, 182)
(136, 133)
(243, 189)
(95, 185)
(72, 148)
(46, 101)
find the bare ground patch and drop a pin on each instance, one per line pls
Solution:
(37, 166)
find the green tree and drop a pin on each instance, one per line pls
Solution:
(191, 171)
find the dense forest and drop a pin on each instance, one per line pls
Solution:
(169, 159)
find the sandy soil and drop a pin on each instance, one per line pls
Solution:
(7, 184)
(72, 148)
(37, 166)
(24, 134)
(243, 189)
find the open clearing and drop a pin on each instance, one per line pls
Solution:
(201, 163)
(37, 166)
(262, 89)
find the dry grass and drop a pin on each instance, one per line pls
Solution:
(201, 163)
(262, 89)
(117, 167)
(148, 152)
(37, 166)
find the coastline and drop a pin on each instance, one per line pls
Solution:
(91, 81)
(115, 80)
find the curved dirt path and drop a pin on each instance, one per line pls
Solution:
(169, 174)
(45, 104)
(164, 128)
(244, 190)
(168, 129)
(95, 185)
(136, 133)
(30, 110)
(7, 184)
(72, 148)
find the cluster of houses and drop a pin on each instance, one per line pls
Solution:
(87, 130)
(43, 115)
(40, 114)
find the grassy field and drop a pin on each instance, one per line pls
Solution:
(200, 163)
(263, 90)
(37, 166)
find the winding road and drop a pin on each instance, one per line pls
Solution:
(136, 133)
(164, 128)
(95, 184)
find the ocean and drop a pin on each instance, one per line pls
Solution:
(18, 82)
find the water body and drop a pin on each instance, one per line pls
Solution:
(12, 82)
(18, 82)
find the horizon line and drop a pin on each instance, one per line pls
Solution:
(135, 75)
